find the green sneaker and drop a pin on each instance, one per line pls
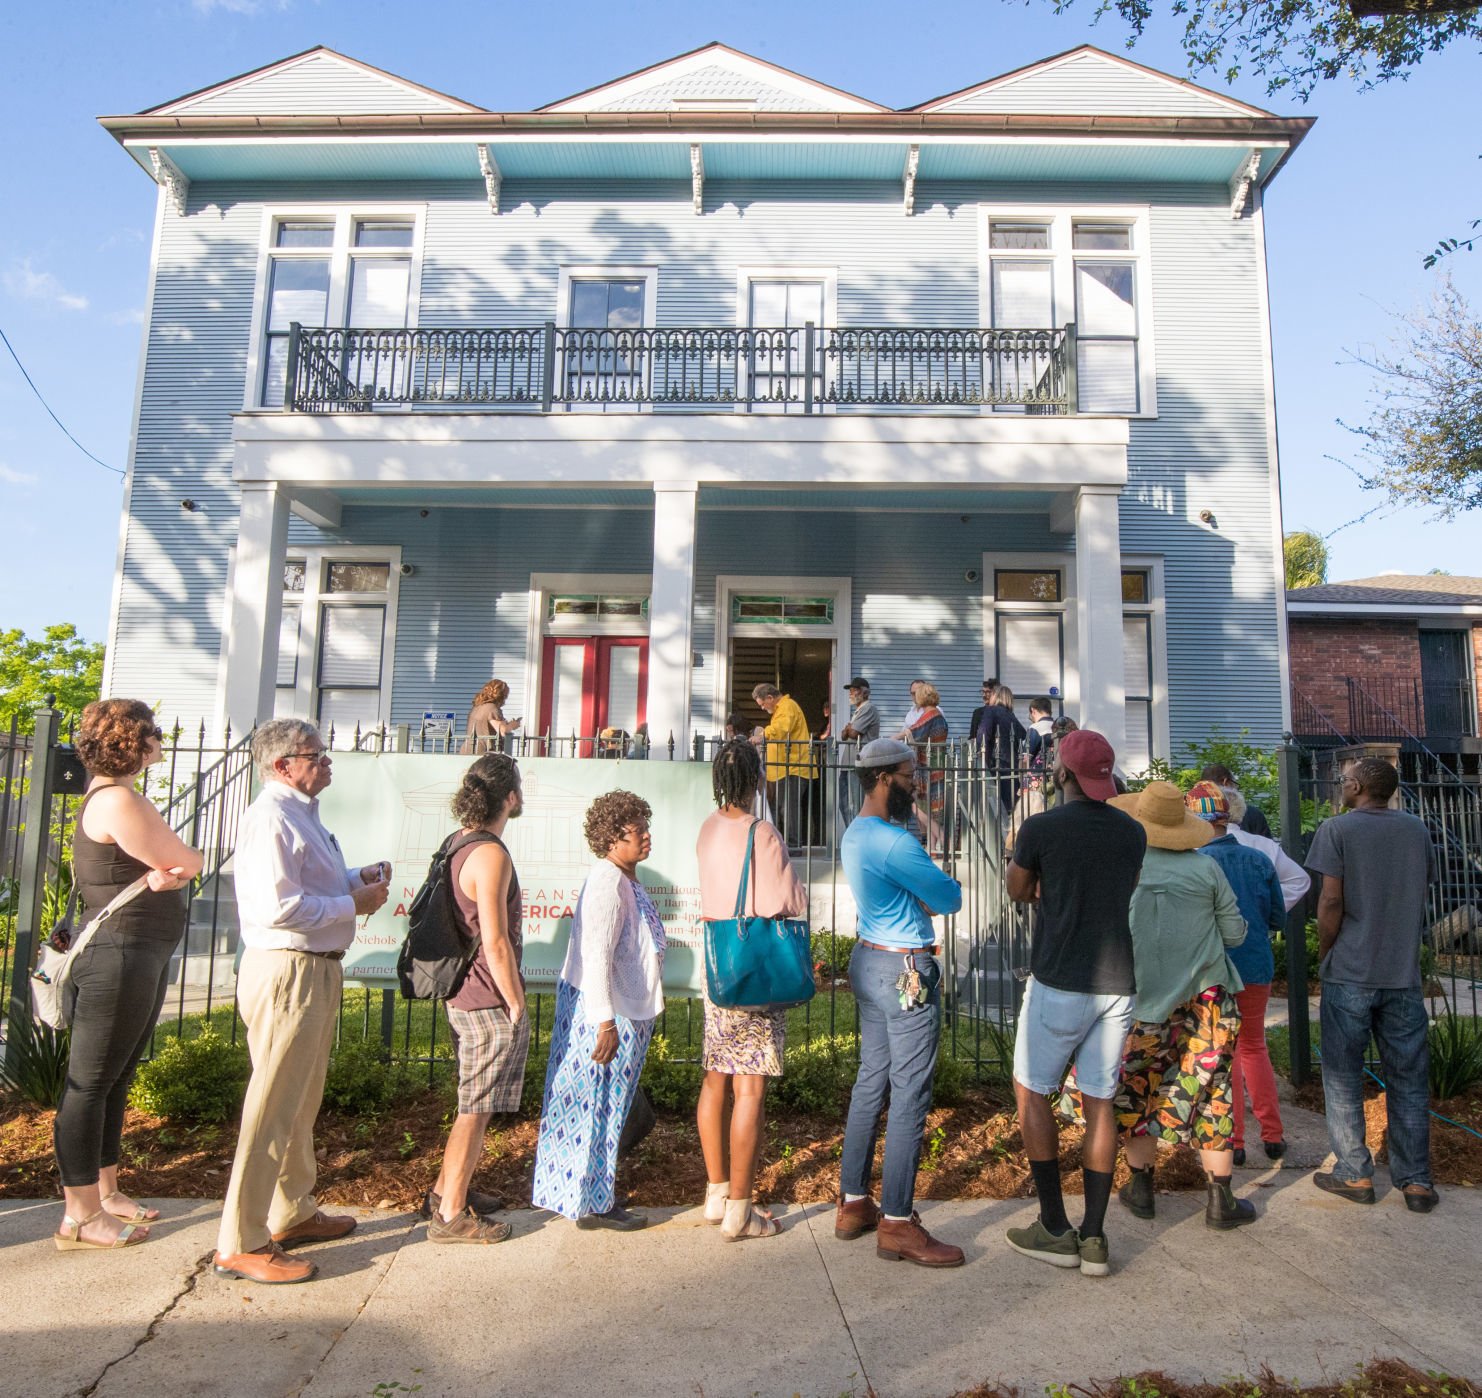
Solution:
(1095, 1257)
(1038, 1242)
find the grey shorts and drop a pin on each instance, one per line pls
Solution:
(491, 1059)
(1058, 1025)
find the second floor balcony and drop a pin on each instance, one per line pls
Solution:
(698, 369)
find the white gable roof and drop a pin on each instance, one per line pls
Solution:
(1089, 82)
(317, 83)
(715, 77)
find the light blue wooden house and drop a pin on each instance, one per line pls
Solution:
(711, 374)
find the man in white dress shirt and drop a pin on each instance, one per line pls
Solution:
(298, 904)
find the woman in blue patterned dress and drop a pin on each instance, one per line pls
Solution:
(609, 995)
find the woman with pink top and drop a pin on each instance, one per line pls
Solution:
(742, 1047)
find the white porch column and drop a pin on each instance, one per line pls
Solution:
(255, 607)
(1098, 572)
(671, 617)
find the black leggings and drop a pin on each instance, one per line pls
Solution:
(120, 983)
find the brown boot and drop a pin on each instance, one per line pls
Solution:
(855, 1219)
(910, 1242)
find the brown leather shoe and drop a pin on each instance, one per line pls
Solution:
(322, 1228)
(855, 1219)
(910, 1242)
(270, 1266)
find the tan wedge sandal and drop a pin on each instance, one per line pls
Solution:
(744, 1220)
(67, 1241)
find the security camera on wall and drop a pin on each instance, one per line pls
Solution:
(971, 575)
(407, 570)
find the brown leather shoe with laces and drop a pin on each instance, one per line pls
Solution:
(322, 1228)
(467, 1227)
(910, 1242)
(268, 1266)
(855, 1219)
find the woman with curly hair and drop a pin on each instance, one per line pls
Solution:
(609, 995)
(742, 1047)
(119, 980)
(486, 721)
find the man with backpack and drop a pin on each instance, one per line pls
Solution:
(473, 887)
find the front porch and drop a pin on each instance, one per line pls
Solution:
(897, 527)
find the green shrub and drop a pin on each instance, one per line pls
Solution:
(193, 1080)
(952, 1079)
(39, 1070)
(673, 1086)
(1456, 1055)
(817, 1076)
(1278, 950)
(831, 952)
(360, 1077)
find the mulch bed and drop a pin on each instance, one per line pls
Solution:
(972, 1151)
(1381, 1378)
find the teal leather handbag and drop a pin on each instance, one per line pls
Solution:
(757, 963)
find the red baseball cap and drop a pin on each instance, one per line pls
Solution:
(1089, 758)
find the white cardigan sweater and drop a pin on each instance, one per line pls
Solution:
(611, 957)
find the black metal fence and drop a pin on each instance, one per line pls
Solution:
(690, 368)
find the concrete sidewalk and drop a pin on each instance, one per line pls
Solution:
(1315, 1287)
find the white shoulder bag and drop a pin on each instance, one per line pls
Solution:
(52, 978)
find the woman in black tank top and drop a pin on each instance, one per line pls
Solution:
(119, 979)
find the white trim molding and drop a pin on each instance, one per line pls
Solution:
(908, 179)
(840, 631)
(1241, 182)
(168, 175)
(493, 178)
(697, 176)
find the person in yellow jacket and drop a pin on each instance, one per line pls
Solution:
(789, 759)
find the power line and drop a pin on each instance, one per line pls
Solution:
(51, 414)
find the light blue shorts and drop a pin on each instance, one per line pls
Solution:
(1056, 1026)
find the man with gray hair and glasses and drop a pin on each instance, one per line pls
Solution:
(298, 903)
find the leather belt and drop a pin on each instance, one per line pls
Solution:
(899, 951)
(323, 955)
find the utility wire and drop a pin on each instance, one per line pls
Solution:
(51, 414)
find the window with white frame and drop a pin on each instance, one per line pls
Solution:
(1137, 668)
(1051, 266)
(336, 638)
(335, 268)
(603, 310)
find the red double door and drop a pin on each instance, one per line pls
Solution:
(590, 683)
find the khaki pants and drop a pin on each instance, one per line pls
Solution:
(289, 1001)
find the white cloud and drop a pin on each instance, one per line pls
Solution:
(26, 283)
(10, 476)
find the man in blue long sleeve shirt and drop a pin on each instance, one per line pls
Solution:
(897, 983)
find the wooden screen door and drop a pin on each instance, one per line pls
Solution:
(589, 683)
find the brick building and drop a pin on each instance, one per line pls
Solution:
(1395, 656)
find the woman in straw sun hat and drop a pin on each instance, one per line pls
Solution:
(1175, 1083)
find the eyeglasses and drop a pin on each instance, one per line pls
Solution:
(319, 759)
(157, 733)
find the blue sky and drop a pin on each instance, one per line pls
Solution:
(1380, 179)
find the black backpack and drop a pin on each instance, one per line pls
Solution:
(435, 958)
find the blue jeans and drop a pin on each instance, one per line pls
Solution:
(1397, 1021)
(897, 1056)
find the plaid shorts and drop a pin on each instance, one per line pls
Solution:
(1176, 1075)
(491, 1059)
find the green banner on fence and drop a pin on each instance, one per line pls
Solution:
(395, 806)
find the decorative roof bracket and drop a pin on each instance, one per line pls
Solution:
(1241, 181)
(170, 176)
(913, 163)
(492, 178)
(697, 178)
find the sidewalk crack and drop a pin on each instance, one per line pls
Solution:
(823, 1261)
(152, 1330)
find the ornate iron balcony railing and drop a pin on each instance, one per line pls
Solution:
(549, 368)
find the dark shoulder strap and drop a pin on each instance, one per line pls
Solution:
(746, 869)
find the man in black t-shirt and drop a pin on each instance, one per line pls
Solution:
(1080, 862)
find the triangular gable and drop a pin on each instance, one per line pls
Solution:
(320, 82)
(1088, 81)
(717, 76)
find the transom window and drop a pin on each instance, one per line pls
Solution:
(1047, 270)
(791, 611)
(596, 607)
(1027, 585)
(338, 269)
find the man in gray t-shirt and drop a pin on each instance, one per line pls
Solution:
(863, 727)
(1376, 864)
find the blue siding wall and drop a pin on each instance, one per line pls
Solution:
(465, 610)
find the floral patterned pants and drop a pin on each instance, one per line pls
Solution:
(1176, 1075)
